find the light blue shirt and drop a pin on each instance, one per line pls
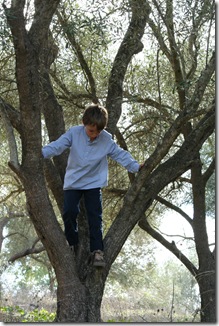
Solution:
(87, 166)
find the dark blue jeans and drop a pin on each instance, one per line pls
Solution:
(93, 205)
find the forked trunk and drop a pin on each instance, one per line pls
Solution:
(77, 302)
(80, 284)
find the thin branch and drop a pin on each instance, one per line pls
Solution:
(26, 252)
(201, 84)
(175, 208)
(12, 193)
(13, 115)
(147, 101)
(9, 235)
(122, 143)
(210, 170)
(160, 39)
(143, 223)
(183, 179)
(209, 30)
(11, 137)
(77, 48)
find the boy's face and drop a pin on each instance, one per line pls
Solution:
(92, 131)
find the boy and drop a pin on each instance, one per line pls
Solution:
(86, 174)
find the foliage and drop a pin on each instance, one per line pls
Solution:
(17, 314)
(178, 303)
(159, 83)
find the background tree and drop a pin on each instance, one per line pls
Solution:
(178, 111)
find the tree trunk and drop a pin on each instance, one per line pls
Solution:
(206, 275)
(80, 285)
(206, 279)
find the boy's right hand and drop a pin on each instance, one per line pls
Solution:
(141, 166)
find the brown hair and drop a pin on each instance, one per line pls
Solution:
(95, 115)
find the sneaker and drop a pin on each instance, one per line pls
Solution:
(98, 260)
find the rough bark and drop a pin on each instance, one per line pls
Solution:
(130, 45)
(145, 188)
(205, 272)
(206, 277)
(78, 299)
(27, 49)
(80, 286)
(51, 109)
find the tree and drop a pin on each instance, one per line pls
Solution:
(80, 286)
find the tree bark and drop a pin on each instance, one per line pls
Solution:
(130, 45)
(81, 286)
(206, 277)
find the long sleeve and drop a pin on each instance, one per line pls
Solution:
(124, 158)
(58, 146)
(87, 165)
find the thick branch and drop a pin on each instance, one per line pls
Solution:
(130, 45)
(44, 11)
(147, 185)
(50, 105)
(163, 147)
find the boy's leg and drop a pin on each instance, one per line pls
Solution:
(71, 210)
(93, 205)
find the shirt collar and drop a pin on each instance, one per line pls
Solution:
(88, 138)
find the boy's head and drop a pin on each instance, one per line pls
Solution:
(95, 115)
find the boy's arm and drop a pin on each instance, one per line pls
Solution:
(58, 146)
(124, 158)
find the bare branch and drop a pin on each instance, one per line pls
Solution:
(159, 38)
(201, 84)
(147, 101)
(210, 170)
(19, 190)
(11, 138)
(122, 143)
(26, 252)
(175, 208)
(183, 179)
(77, 48)
(171, 246)
(13, 115)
